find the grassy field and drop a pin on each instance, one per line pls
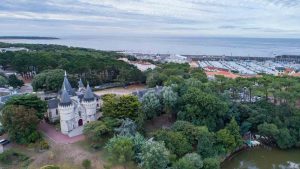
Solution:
(66, 156)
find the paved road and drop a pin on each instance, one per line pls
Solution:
(57, 136)
(27, 88)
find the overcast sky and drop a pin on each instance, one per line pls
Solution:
(238, 18)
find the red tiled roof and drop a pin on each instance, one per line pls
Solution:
(222, 73)
(296, 74)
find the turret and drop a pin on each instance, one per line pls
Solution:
(88, 95)
(65, 109)
(67, 86)
(80, 85)
(90, 104)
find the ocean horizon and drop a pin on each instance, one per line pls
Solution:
(262, 47)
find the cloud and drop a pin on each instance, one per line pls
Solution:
(227, 27)
(267, 18)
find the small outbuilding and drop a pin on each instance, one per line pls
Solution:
(4, 145)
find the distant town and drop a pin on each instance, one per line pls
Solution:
(228, 66)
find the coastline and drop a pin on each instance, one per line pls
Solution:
(27, 38)
(184, 46)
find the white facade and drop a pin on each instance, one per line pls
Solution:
(77, 114)
(67, 118)
(74, 109)
(53, 114)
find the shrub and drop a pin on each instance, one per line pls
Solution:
(7, 157)
(43, 145)
(4, 157)
(87, 164)
(2, 131)
(98, 131)
(211, 163)
(50, 167)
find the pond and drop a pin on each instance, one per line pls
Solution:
(264, 158)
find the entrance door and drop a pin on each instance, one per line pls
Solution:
(80, 122)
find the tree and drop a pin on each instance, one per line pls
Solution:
(245, 127)
(155, 79)
(14, 81)
(206, 144)
(30, 101)
(21, 123)
(189, 161)
(284, 139)
(199, 74)
(130, 75)
(202, 109)
(3, 81)
(95, 66)
(173, 79)
(264, 84)
(120, 149)
(176, 142)
(226, 141)
(151, 104)
(87, 164)
(139, 142)
(154, 155)
(121, 107)
(211, 163)
(49, 80)
(190, 131)
(98, 130)
(169, 99)
(269, 130)
(234, 129)
(169, 73)
(127, 128)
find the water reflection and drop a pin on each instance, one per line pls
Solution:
(262, 158)
(289, 165)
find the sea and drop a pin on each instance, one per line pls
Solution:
(254, 47)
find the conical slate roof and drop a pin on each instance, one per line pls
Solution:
(80, 84)
(89, 95)
(67, 86)
(65, 99)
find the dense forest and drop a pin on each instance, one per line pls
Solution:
(268, 105)
(208, 118)
(94, 66)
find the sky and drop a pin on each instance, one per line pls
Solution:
(219, 18)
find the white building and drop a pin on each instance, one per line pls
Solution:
(176, 59)
(13, 49)
(4, 145)
(74, 109)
